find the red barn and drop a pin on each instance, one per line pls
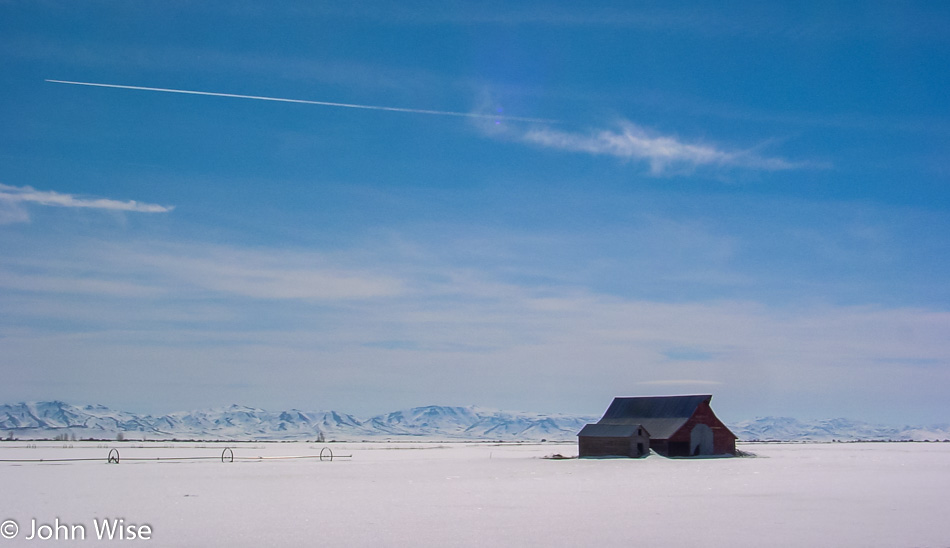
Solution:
(676, 426)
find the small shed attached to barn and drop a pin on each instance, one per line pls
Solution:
(613, 440)
(676, 426)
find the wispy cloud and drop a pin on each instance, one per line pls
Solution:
(688, 354)
(11, 212)
(146, 270)
(662, 152)
(11, 196)
(276, 276)
(677, 382)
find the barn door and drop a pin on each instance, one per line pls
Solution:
(701, 440)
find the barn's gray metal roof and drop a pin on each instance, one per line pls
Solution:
(655, 407)
(661, 416)
(600, 430)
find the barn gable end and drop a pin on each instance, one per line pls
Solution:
(723, 440)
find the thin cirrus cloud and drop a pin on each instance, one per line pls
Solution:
(263, 282)
(146, 271)
(662, 153)
(265, 275)
(14, 195)
(680, 382)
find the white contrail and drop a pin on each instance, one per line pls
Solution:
(306, 102)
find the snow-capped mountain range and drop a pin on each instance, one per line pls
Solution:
(789, 429)
(58, 420)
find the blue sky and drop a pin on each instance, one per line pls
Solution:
(748, 201)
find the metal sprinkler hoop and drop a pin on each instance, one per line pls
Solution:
(227, 455)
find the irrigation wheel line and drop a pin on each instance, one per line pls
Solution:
(227, 455)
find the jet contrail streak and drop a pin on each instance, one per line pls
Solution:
(306, 102)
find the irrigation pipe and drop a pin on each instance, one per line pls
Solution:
(326, 454)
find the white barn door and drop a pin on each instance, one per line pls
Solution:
(701, 440)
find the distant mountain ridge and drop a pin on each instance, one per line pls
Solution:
(55, 419)
(789, 429)
(38, 420)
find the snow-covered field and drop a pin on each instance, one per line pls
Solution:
(481, 494)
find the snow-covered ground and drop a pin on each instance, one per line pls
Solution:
(484, 494)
